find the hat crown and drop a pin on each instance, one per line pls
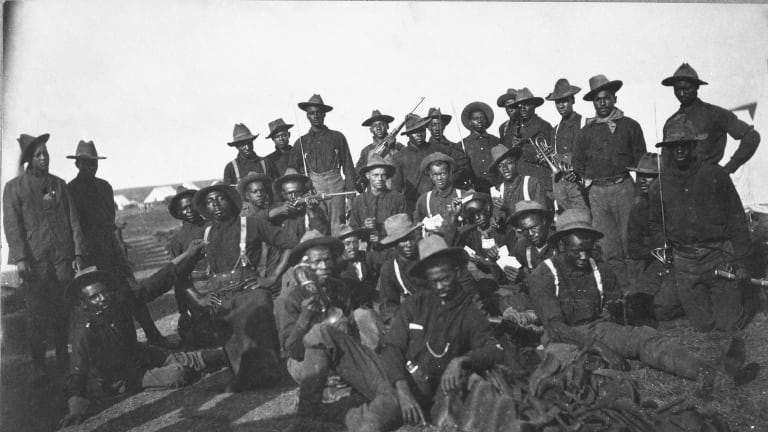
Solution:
(412, 121)
(430, 245)
(241, 131)
(434, 112)
(375, 159)
(574, 218)
(529, 205)
(25, 140)
(523, 94)
(498, 151)
(375, 113)
(316, 99)
(397, 224)
(598, 81)
(311, 234)
(649, 162)
(680, 128)
(561, 86)
(686, 71)
(276, 124)
(86, 149)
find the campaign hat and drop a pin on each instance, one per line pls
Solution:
(315, 101)
(276, 126)
(563, 89)
(500, 151)
(86, 150)
(181, 192)
(241, 134)
(510, 94)
(397, 227)
(444, 118)
(376, 115)
(600, 82)
(432, 247)
(684, 73)
(476, 106)
(314, 238)
(574, 220)
(525, 95)
(413, 123)
(198, 200)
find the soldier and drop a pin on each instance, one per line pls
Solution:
(607, 145)
(256, 191)
(280, 133)
(298, 213)
(325, 154)
(483, 235)
(317, 318)
(44, 240)
(443, 200)
(508, 129)
(378, 124)
(713, 121)
(436, 126)
(513, 187)
(531, 127)
(377, 203)
(438, 336)
(569, 293)
(410, 180)
(564, 136)
(706, 226)
(356, 264)
(107, 343)
(247, 160)
(477, 118)
(396, 283)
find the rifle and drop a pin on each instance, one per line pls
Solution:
(730, 276)
(383, 148)
(304, 200)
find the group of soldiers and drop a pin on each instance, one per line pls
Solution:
(375, 285)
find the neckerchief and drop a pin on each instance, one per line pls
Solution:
(610, 120)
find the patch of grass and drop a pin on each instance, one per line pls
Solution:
(143, 223)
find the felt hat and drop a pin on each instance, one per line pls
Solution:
(563, 89)
(376, 115)
(648, 164)
(276, 126)
(315, 101)
(314, 238)
(432, 247)
(376, 161)
(600, 82)
(290, 175)
(436, 157)
(345, 231)
(444, 118)
(574, 220)
(29, 143)
(198, 200)
(684, 73)
(86, 150)
(88, 276)
(413, 123)
(181, 192)
(525, 95)
(241, 134)
(254, 177)
(477, 196)
(476, 106)
(397, 227)
(511, 94)
(680, 129)
(499, 152)
(522, 208)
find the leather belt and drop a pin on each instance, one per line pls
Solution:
(607, 181)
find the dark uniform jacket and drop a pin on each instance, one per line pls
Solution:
(325, 150)
(109, 345)
(367, 205)
(479, 153)
(716, 122)
(94, 200)
(183, 237)
(245, 165)
(410, 181)
(513, 192)
(280, 160)
(40, 221)
(535, 127)
(455, 328)
(639, 242)
(601, 154)
(565, 136)
(446, 142)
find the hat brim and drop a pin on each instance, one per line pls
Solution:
(392, 239)
(643, 170)
(474, 106)
(42, 139)
(77, 284)
(390, 169)
(198, 201)
(557, 235)
(237, 142)
(514, 150)
(175, 200)
(361, 233)
(306, 105)
(610, 85)
(537, 101)
(693, 140)
(424, 166)
(387, 119)
(337, 247)
(445, 119)
(557, 96)
(501, 100)
(670, 81)
(458, 254)
(277, 186)
(518, 214)
(250, 178)
(86, 157)
(417, 127)
(278, 129)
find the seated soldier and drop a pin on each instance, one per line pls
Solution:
(570, 291)
(322, 331)
(299, 212)
(483, 235)
(106, 340)
(649, 274)
(438, 335)
(256, 191)
(443, 200)
(356, 265)
(396, 283)
(513, 187)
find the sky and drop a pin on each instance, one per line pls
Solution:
(159, 85)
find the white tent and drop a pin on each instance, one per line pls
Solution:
(159, 194)
(190, 185)
(121, 201)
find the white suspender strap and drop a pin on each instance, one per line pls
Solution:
(552, 268)
(528, 257)
(598, 278)
(237, 170)
(526, 195)
(458, 193)
(501, 190)
(263, 166)
(306, 221)
(429, 195)
(400, 278)
(207, 233)
(243, 233)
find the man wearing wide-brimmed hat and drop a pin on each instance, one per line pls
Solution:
(608, 144)
(236, 294)
(298, 213)
(436, 126)
(410, 180)
(280, 133)
(247, 160)
(44, 237)
(256, 191)
(647, 273)
(316, 316)
(712, 120)
(444, 199)
(570, 292)
(512, 187)
(706, 227)
(377, 203)
(395, 283)
(437, 335)
(378, 124)
(325, 154)
(477, 117)
(507, 101)
(534, 223)
(483, 235)
(355, 264)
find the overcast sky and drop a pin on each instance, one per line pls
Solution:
(159, 85)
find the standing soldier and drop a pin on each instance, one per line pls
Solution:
(378, 124)
(567, 195)
(477, 117)
(247, 160)
(443, 199)
(437, 124)
(607, 145)
(44, 238)
(508, 129)
(711, 120)
(280, 133)
(531, 126)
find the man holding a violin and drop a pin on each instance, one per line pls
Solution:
(300, 210)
